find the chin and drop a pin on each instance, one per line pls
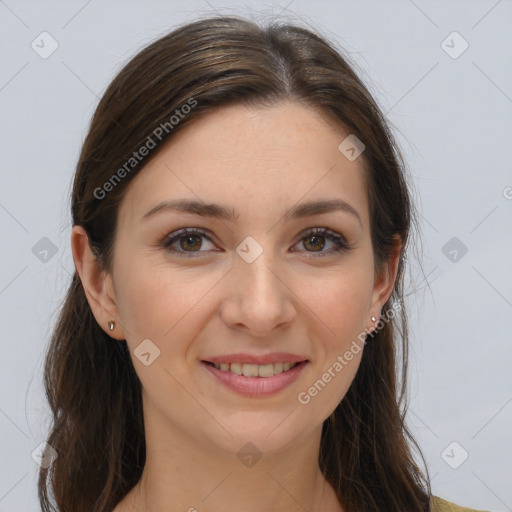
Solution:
(254, 433)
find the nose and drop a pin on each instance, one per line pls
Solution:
(257, 298)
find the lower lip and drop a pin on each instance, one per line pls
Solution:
(257, 386)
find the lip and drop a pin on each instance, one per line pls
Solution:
(257, 386)
(277, 357)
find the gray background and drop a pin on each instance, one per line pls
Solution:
(453, 120)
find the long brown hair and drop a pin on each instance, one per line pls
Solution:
(90, 382)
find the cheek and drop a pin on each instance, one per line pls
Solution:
(341, 302)
(159, 302)
(342, 307)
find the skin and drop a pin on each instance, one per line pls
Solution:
(259, 162)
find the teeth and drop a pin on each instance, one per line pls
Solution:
(266, 370)
(236, 368)
(250, 370)
(255, 370)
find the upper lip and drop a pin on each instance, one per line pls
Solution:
(277, 357)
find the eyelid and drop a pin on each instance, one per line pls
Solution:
(322, 231)
(174, 236)
(342, 245)
(337, 238)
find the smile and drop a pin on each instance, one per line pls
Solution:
(254, 370)
(255, 380)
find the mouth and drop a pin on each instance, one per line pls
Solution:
(255, 370)
(256, 380)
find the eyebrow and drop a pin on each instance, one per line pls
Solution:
(222, 212)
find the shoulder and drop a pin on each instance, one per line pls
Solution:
(440, 505)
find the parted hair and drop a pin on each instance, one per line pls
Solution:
(367, 451)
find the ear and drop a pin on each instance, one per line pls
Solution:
(97, 283)
(384, 281)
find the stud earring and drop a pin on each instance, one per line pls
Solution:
(111, 325)
(373, 319)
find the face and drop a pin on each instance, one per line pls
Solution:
(258, 278)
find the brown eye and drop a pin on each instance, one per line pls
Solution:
(318, 242)
(189, 242)
(314, 243)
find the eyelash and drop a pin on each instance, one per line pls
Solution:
(338, 239)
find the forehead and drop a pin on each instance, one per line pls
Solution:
(252, 159)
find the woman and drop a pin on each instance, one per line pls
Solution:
(230, 337)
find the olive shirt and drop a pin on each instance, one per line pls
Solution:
(440, 505)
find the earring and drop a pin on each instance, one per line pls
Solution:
(373, 319)
(111, 325)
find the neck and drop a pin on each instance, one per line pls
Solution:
(184, 474)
